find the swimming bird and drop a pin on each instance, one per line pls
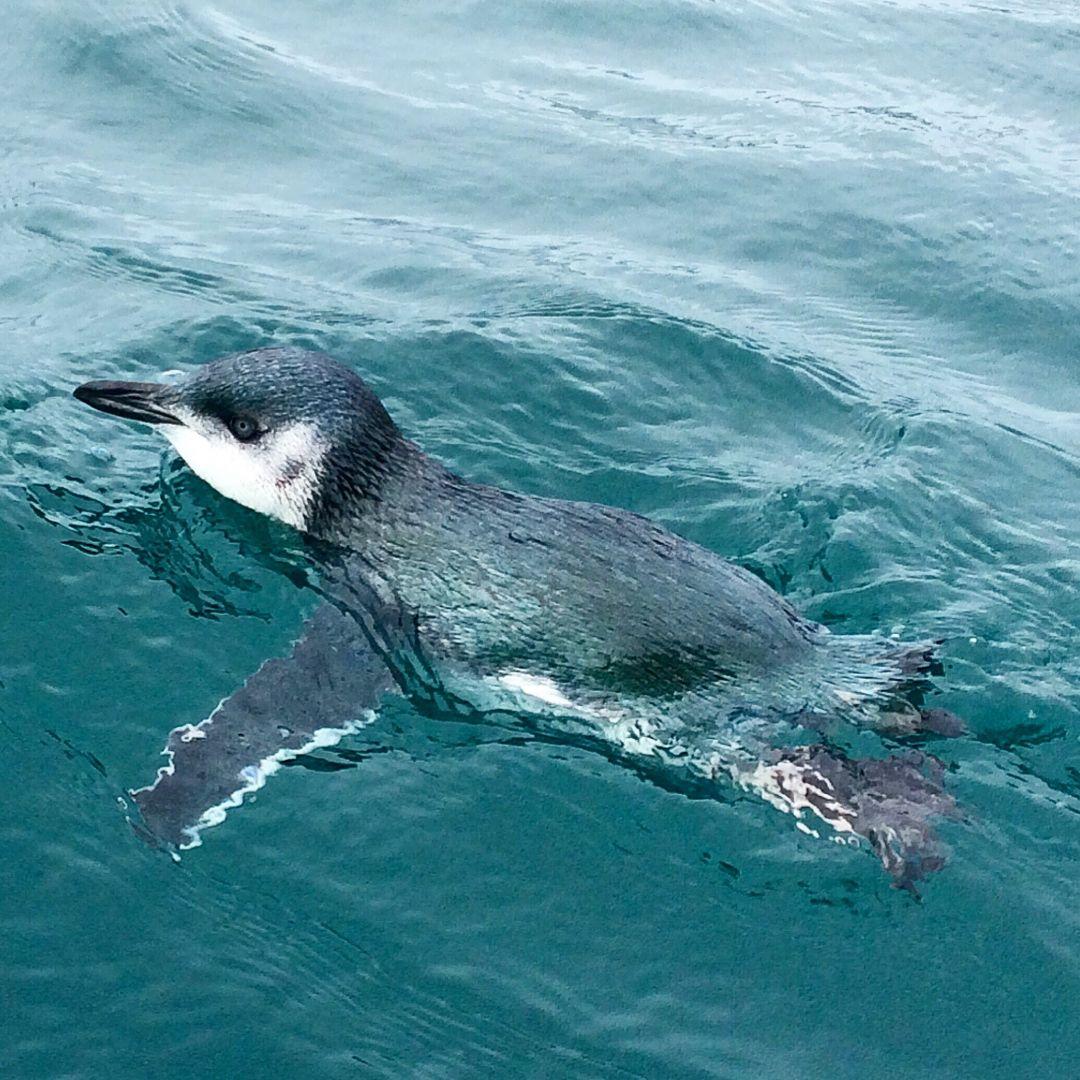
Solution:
(468, 598)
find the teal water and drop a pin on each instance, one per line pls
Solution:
(797, 278)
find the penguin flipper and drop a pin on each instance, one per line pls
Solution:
(324, 689)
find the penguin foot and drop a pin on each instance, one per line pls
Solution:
(892, 802)
(903, 718)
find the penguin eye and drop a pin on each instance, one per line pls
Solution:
(244, 428)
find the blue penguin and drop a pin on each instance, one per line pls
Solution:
(592, 620)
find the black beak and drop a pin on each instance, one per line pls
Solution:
(145, 401)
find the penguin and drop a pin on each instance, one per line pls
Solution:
(470, 599)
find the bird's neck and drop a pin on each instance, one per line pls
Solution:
(377, 502)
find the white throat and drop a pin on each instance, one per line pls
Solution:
(276, 475)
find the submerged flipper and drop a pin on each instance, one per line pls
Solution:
(324, 689)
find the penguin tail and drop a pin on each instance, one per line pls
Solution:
(888, 683)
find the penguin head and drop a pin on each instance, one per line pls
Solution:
(285, 432)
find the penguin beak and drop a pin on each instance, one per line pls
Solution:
(143, 401)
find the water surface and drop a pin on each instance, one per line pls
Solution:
(797, 279)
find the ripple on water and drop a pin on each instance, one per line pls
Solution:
(683, 257)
